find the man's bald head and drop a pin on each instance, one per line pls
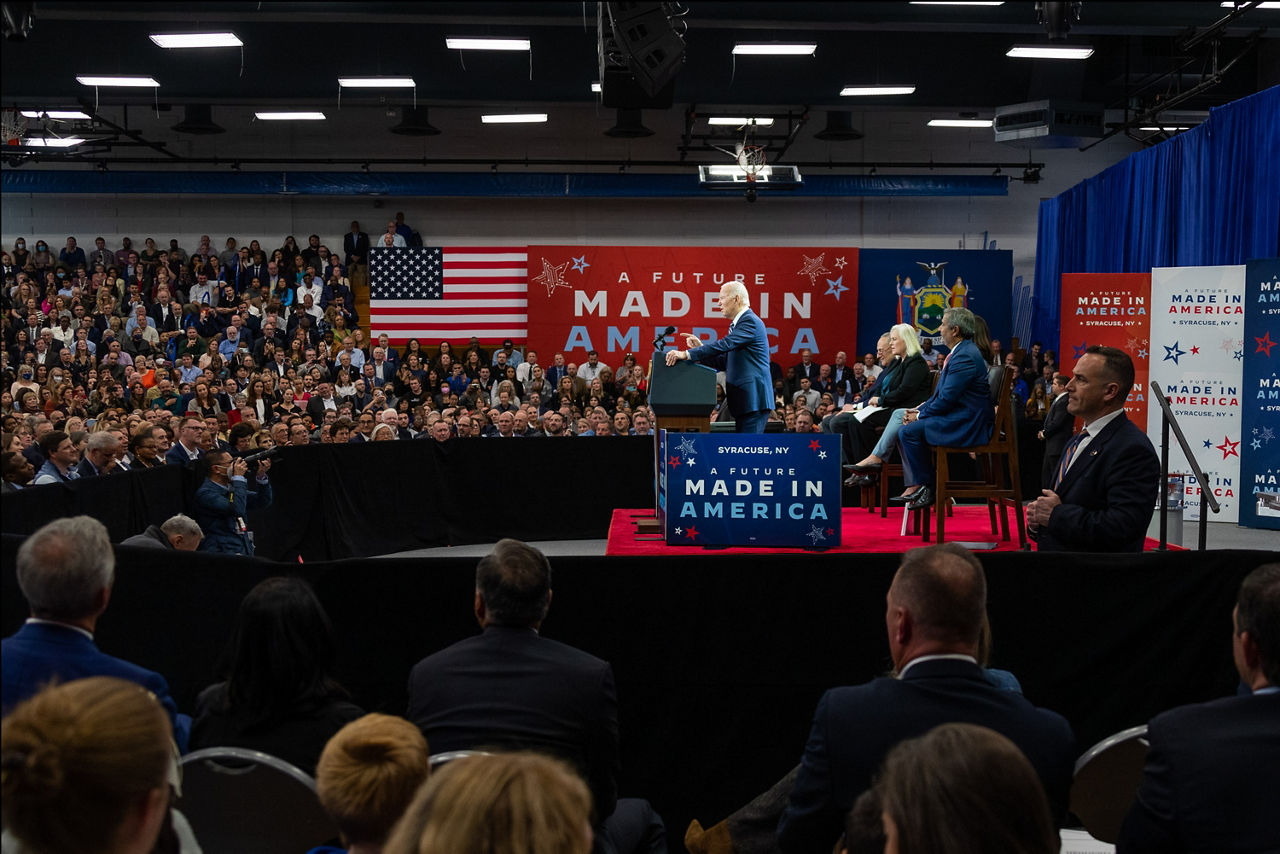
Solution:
(944, 589)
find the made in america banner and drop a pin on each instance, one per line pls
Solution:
(1109, 310)
(618, 299)
(1260, 445)
(1197, 356)
(750, 489)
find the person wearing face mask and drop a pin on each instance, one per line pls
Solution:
(20, 254)
(43, 259)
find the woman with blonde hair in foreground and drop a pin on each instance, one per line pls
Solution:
(505, 803)
(85, 769)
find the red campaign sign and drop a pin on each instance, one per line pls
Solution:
(618, 299)
(1109, 310)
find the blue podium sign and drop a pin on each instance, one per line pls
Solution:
(760, 489)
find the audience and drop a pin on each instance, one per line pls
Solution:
(85, 769)
(366, 777)
(963, 789)
(510, 803)
(278, 696)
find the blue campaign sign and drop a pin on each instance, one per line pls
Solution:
(760, 489)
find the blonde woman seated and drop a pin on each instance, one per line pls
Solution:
(505, 803)
(368, 774)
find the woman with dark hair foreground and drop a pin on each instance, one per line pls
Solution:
(963, 789)
(279, 697)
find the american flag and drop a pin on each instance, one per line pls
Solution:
(449, 293)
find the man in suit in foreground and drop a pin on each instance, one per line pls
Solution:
(1056, 429)
(959, 414)
(1213, 769)
(511, 688)
(936, 607)
(743, 355)
(1105, 488)
(66, 571)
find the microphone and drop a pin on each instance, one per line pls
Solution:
(657, 342)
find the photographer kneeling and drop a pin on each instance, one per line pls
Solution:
(224, 498)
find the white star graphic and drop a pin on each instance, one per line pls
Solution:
(686, 446)
(822, 455)
(690, 461)
(552, 276)
(840, 262)
(813, 268)
(679, 532)
(815, 534)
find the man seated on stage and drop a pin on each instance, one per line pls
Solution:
(515, 689)
(959, 414)
(1213, 769)
(1105, 488)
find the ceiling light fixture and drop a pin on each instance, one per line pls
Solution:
(730, 121)
(1049, 51)
(1268, 5)
(458, 43)
(857, 91)
(301, 115)
(596, 87)
(116, 80)
(377, 82)
(513, 118)
(54, 114)
(51, 142)
(1166, 128)
(171, 41)
(775, 49)
(956, 3)
(959, 123)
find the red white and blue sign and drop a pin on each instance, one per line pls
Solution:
(761, 489)
(1260, 389)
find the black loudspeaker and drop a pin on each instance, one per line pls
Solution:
(198, 119)
(620, 90)
(654, 50)
(413, 122)
(839, 127)
(629, 126)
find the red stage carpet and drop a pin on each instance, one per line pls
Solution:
(870, 533)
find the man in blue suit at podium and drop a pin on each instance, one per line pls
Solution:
(743, 355)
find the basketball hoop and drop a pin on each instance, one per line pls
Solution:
(751, 160)
(12, 127)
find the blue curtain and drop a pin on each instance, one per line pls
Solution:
(1207, 196)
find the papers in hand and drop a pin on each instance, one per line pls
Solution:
(865, 412)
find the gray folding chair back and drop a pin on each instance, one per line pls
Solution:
(247, 801)
(1106, 780)
(439, 760)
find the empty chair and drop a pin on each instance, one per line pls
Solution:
(1106, 781)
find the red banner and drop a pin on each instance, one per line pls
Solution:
(618, 299)
(1110, 310)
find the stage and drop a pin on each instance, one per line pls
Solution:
(863, 532)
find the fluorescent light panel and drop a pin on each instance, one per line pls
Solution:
(188, 40)
(99, 80)
(459, 43)
(1229, 5)
(55, 114)
(52, 142)
(301, 115)
(739, 122)
(1167, 128)
(731, 171)
(775, 49)
(956, 3)
(959, 123)
(596, 87)
(376, 82)
(857, 91)
(513, 118)
(1049, 51)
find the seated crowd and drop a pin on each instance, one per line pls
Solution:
(245, 350)
(941, 755)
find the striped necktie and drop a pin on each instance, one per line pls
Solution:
(1067, 454)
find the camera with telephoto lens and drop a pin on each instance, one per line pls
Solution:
(266, 454)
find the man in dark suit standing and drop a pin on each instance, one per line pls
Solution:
(512, 688)
(743, 355)
(356, 246)
(1104, 490)
(320, 401)
(1213, 769)
(936, 607)
(1056, 430)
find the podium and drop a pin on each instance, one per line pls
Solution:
(681, 398)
